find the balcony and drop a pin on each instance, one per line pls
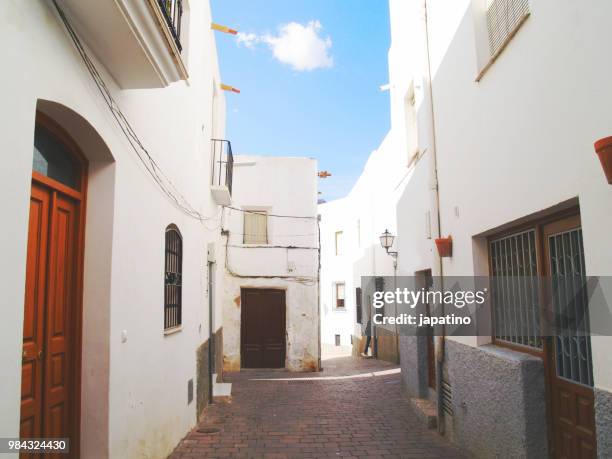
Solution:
(138, 41)
(222, 171)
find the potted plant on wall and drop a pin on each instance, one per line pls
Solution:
(603, 147)
(445, 246)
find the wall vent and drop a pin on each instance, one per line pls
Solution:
(189, 391)
(447, 398)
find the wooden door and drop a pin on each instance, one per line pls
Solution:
(52, 327)
(568, 353)
(263, 328)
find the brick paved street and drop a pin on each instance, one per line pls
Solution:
(362, 415)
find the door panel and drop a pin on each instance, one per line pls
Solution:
(263, 328)
(50, 316)
(34, 309)
(569, 353)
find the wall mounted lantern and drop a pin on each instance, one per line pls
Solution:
(386, 241)
(603, 147)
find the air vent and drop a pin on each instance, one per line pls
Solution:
(447, 398)
(189, 391)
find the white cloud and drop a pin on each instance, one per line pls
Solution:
(297, 45)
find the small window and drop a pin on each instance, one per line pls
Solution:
(358, 307)
(255, 227)
(337, 340)
(173, 278)
(338, 242)
(53, 160)
(340, 295)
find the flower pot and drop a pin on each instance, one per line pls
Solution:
(603, 147)
(445, 246)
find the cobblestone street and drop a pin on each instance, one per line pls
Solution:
(353, 408)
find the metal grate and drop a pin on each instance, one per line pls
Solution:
(503, 18)
(223, 163)
(173, 14)
(516, 304)
(570, 302)
(447, 398)
(173, 278)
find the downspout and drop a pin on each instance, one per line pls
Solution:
(210, 333)
(439, 349)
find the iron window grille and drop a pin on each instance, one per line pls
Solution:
(173, 14)
(516, 311)
(173, 278)
(223, 163)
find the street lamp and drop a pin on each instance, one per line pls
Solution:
(386, 241)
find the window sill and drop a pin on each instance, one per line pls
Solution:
(340, 309)
(173, 330)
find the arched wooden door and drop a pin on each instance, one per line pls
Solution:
(50, 384)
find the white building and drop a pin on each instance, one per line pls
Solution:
(350, 249)
(271, 244)
(502, 110)
(107, 242)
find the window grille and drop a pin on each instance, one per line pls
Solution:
(573, 344)
(503, 18)
(516, 305)
(173, 278)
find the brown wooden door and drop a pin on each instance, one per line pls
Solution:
(569, 353)
(52, 306)
(48, 369)
(262, 328)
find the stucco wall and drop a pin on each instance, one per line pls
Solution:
(123, 414)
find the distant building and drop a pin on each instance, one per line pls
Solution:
(271, 245)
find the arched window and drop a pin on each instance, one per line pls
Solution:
(173, 278)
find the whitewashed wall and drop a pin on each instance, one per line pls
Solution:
(284, 186)
(134, 394)
(518, 142)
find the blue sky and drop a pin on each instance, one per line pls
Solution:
(309, 72)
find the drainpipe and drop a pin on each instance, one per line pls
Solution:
(210, 333)
(439, 349)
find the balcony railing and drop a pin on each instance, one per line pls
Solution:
(173, 13)
(222, 170)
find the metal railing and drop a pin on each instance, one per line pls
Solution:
(173, 13)
(223, 163)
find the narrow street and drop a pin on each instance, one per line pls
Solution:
(353, 408)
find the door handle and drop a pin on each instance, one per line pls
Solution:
(40, 354)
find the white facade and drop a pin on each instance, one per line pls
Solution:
(285, 190)
(362, 216)
(134, 378)
(512, 139)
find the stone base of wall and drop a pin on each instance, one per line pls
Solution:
(413, 353)
(603, 421)
(202, 378)
(498, 400)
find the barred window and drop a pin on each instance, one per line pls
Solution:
(340, 295)
(358, 305)
(255, 227)
(173, 278)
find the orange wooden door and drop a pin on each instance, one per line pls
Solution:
(34, 311)
(48, 397)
